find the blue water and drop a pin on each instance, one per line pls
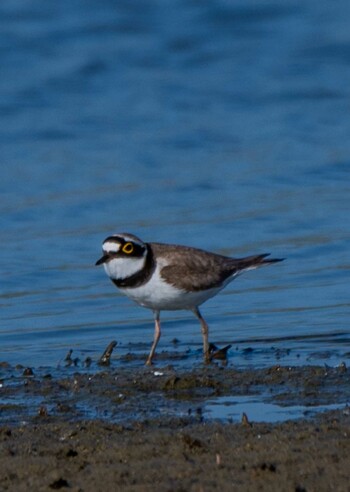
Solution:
(219, 124)
(232, 408)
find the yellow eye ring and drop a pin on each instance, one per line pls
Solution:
(128, 248)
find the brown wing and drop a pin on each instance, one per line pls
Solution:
(194, 269)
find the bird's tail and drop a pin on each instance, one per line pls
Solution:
(256, 261)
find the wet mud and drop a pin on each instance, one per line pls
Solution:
(134, 428)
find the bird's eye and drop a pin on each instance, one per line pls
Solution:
(128, 248)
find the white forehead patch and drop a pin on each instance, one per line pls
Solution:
(111, 247)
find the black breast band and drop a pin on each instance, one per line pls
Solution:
(141, 277)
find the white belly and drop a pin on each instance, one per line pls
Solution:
(159, 295)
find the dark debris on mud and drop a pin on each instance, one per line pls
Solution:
(127, 394)
(89, 427)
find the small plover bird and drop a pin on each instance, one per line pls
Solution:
(166, 277)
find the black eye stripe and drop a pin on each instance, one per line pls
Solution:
(132, 249)
(138, 250)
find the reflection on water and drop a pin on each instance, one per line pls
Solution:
(220, 125)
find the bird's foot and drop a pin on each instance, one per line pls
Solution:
(207, 358)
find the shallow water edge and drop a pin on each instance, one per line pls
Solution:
(135, 393)
(142, 428)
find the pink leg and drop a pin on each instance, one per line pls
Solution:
(205, 332)
(157, 334)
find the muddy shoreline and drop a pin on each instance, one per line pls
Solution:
(136, 428)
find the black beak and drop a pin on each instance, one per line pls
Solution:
(102, 260)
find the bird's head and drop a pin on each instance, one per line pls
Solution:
(123, 255)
